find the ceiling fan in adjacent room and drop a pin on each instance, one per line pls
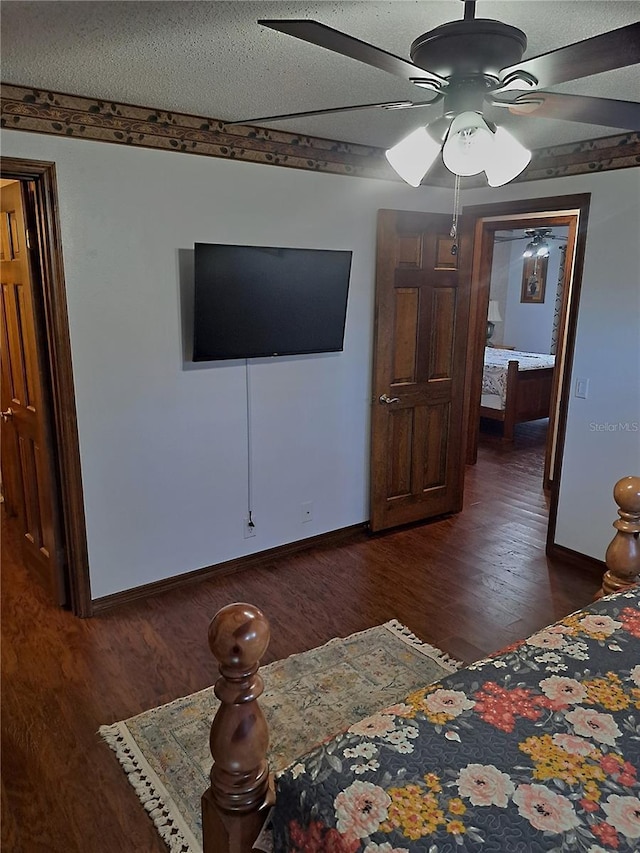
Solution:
(538, 245)
(475, 62)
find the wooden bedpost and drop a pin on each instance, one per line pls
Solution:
(511, 394)
(234, 806)
(623, 554)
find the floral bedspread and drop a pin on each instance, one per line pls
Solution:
(496, 362)
(537, 748)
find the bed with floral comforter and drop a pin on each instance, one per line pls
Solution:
(535, 749)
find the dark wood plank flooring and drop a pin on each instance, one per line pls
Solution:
(468, 584)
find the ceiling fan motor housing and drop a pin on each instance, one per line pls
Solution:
(468, 49)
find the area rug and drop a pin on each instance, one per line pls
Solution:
(308, 698)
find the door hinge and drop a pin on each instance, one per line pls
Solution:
(28, 236)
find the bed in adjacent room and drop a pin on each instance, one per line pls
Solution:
(516, 387)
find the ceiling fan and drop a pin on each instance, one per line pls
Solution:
(467, 64)
(538, 246)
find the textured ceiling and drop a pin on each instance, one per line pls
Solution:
(213, 59)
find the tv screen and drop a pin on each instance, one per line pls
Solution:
(255, 301)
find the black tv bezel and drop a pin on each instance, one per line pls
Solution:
(199, 356)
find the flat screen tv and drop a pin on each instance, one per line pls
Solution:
(253, 301)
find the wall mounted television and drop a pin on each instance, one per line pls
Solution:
(256, 301)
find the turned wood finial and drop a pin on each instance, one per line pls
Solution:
(238, 637)
(623, 554)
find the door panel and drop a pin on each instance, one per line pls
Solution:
(422, 308)
(26, 465)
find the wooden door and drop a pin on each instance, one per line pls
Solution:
(26, 466)
(422, 307)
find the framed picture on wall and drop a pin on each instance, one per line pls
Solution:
(534, 279)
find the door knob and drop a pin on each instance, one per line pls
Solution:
(6, 415)
(388, 400)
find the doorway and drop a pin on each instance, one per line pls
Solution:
(28, 482)
(529, 282)
(431, 314)
(41, 314)
(564, 217)
(531, 302)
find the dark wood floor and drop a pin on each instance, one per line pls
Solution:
(468, 584)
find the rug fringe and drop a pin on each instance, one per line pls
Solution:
(402, 632)
(154, 797)
(177, 833)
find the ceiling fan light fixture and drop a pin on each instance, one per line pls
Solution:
(469, 63)
(537, 247)
(468, 145)
(413, 156)
(507, 159)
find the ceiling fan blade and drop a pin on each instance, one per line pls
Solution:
(603, 111)
(323, 36)
(615, 49)
(389, 105)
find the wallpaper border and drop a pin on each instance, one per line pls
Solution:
(42, 111)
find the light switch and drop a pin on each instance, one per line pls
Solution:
(582, 388)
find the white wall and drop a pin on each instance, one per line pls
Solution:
(524, 325)
(603, 431)
(499, 288)
(527, 325)
(163, 443)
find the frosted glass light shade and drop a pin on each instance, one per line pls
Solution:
(538, 248)
(413, 156)
(507, 159)
(468, 146)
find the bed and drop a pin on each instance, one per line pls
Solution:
(516, 387)
(536, 748)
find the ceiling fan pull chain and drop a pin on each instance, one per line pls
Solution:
(456, 211)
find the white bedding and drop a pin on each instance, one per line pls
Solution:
(494, 374)
(492, 401)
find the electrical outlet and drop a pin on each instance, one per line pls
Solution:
(307, 511)
(249, 528)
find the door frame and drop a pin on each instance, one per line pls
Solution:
(552, 207)
(54, 349)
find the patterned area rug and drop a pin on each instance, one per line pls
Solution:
(308, 698)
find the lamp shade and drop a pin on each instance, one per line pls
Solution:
(413, 156)
(468, 146)
(508, 158)
(493, 315)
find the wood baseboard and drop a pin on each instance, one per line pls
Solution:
(323, 540)
(575, 559)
